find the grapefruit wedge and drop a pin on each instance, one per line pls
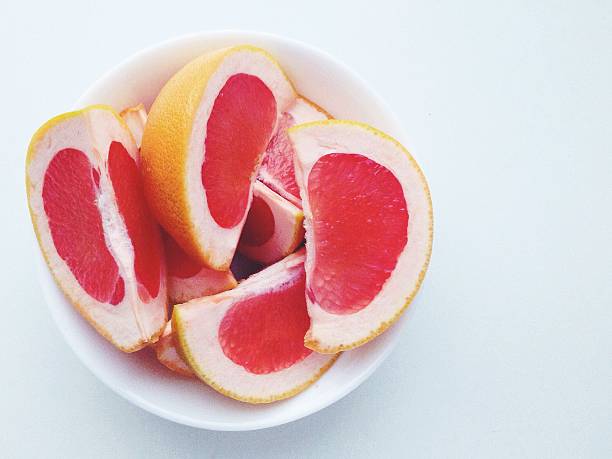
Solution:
(369, 228)
(273, 228)
(203, 143)
(136, 119)
(277, 170)
(248, 343)
(93, 225)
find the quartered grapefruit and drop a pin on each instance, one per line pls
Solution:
(165, 350)
(277, 169)
(369, 226)
(273, 228)
(248, 343)
(94, 227)
(203, 143)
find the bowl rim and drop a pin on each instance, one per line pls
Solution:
(47, 283)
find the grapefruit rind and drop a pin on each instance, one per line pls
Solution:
(173, 148)
(91, 130)
(288, 228)
(136, 119)
(331, 333)
(196, 325)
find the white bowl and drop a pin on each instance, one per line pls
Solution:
(138, 377)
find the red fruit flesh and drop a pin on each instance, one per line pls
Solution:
(259, 225)
(69, 196)
(265, 333)
(278, 161)
(178, 262)
(359, 229)
(141, 227)
(237, 132)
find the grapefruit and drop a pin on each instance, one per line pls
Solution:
(203, 143)
(273, 228)
(369, 228)
(277, 170)
(248, 343)
(93, 225)
(136, 118)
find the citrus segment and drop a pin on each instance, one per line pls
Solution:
(273, 227)
(359, 234)
(69, 196)
(265, 333)
(92, 223)
(277, 170)
(248, 343)
(203, 142)
(166, 353)
(369, 227)
(239, 127)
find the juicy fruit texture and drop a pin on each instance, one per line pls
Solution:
(247, 343)
(93, 225)
(239, 127)
(273, 227)
(369, 230)
(203, 142)
(188, 279)
(69, 183)
(359, 234)
(277, 170)
(262, 334)
(166, 353)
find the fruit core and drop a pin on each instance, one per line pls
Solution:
(239, 127)
(359, 230)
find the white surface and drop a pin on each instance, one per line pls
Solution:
(508, 109)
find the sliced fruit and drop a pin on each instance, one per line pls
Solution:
(248, 343)
(167, 354)
(135, 118)
(277, 170)
(273, 228)
(188, 279)
(93, 225)
(369, 228)
(243, 267)
(203, 143)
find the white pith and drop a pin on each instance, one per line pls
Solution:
(220, 243)
(205, 282)
(310, 143)
(167, 354)
(130, 323)
(135, 118)
(288, 230)
(200, 321)
(302, 111)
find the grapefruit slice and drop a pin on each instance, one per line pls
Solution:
(277, 169)
(203, 143)
(93, 225)
(188, 279)
(167, 354)
(369, 228)
(248, 343)
(273, 228)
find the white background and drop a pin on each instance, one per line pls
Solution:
(508, 108)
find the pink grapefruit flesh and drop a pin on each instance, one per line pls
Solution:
(359, 234)
(265, 333)
(69, 195)
(238, 129)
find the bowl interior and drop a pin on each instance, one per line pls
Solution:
(138, 377)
